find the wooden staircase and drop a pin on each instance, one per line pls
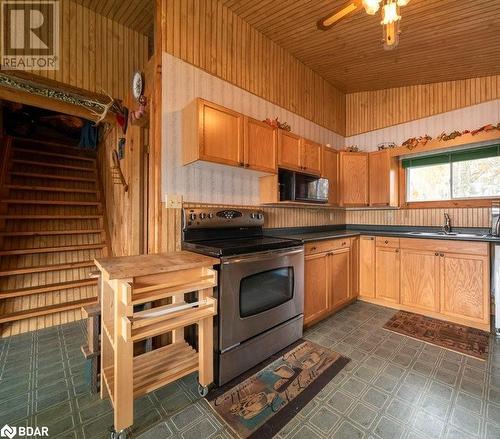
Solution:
(51, 229)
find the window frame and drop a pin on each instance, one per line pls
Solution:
(454, 202)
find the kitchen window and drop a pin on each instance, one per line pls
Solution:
(460, 175)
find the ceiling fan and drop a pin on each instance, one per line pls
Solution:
(390, 17)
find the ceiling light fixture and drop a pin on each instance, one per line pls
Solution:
(390, 19)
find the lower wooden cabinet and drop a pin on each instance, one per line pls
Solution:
(387, 274)
(367, 266)
(465, 287)
(317, 287)
(329, 281)
(420, 279)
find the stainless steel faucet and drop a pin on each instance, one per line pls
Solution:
(447, 223)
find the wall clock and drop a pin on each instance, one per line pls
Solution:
(137, 85)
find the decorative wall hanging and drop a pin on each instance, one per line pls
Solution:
(33, 88)
(121, 148)
(275, 123)
(116, 171)
(353, 148)
(138, 117)
(413, 142)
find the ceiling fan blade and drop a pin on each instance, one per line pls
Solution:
(327, 22)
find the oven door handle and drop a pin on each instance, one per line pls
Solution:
(262, 256)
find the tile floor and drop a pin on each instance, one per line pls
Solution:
(394, 387)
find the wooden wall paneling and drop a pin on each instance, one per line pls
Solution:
(96, 53)
(372, 110)
(229, 48)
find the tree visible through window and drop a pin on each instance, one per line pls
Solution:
(459, 175)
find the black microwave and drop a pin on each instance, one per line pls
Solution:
(301, 187)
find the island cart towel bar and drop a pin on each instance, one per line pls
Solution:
(149, 279)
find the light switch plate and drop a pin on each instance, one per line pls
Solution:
(174, 201)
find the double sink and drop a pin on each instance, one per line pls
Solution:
(458, 235)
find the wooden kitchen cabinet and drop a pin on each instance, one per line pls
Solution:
(353, 178)
(465, 288)
(260, 146)
(289, 151)
(330, 170)
(420, 281)
(212, 133)
(311, 155)
(367, 266)
(339, 273)
(383, 179)
(354, 291)
(387, 274)
(317, 287)
(328, 283)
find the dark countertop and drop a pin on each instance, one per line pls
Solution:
(309, 234)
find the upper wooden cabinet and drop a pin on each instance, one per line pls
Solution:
(298, 154)
(217, 134)
(383, 179)
(289, 151)
(260, 145)
(330, 170)
(311, 157)
(353, 178)
(212, 133)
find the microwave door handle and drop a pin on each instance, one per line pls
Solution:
(261, 256)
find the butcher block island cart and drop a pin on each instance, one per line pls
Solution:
(131, 287)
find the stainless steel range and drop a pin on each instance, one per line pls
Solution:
(261, 286)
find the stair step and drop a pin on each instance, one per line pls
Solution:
(47, 288)
(49, 189)
(46, 268)
(53, 232)
(54, 154)
(45, 310)
(67, 248)
(20, 216)
(51, 176)
(54, 165)
(52, 202)
(17, 140)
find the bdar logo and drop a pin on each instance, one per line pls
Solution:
(8, 431)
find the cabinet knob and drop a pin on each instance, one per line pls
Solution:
(313, 248)
(372, 238)
(241, 164)
(436, 254)
(343, 243)
(397, 250)
(387, 242)
(442, 255)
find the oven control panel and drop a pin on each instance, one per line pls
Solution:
(213, 218)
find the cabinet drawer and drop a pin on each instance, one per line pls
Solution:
(384, 241)
(326, 246)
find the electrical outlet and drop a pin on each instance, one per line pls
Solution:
(174, 201)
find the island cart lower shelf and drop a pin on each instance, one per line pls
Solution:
(158, 284)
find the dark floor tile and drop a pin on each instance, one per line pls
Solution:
(389, 429)
(98, 428)
(375, 397)
(324, 420)
(347, 430)
(399, 410)
(340, 401)
(386, 382)
(186, 417)
(363, 415)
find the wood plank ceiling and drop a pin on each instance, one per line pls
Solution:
(134, 14)
(441, 40)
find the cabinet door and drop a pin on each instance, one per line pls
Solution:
(387, 274)
(340, 277)
(465, 287)
(221, 135)
(260, 146)
(354, 178)
(289, 151)
(383, 179)
(330, 170)
(311, 157)
(316, 287)
(367, 266)
(420, 279)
